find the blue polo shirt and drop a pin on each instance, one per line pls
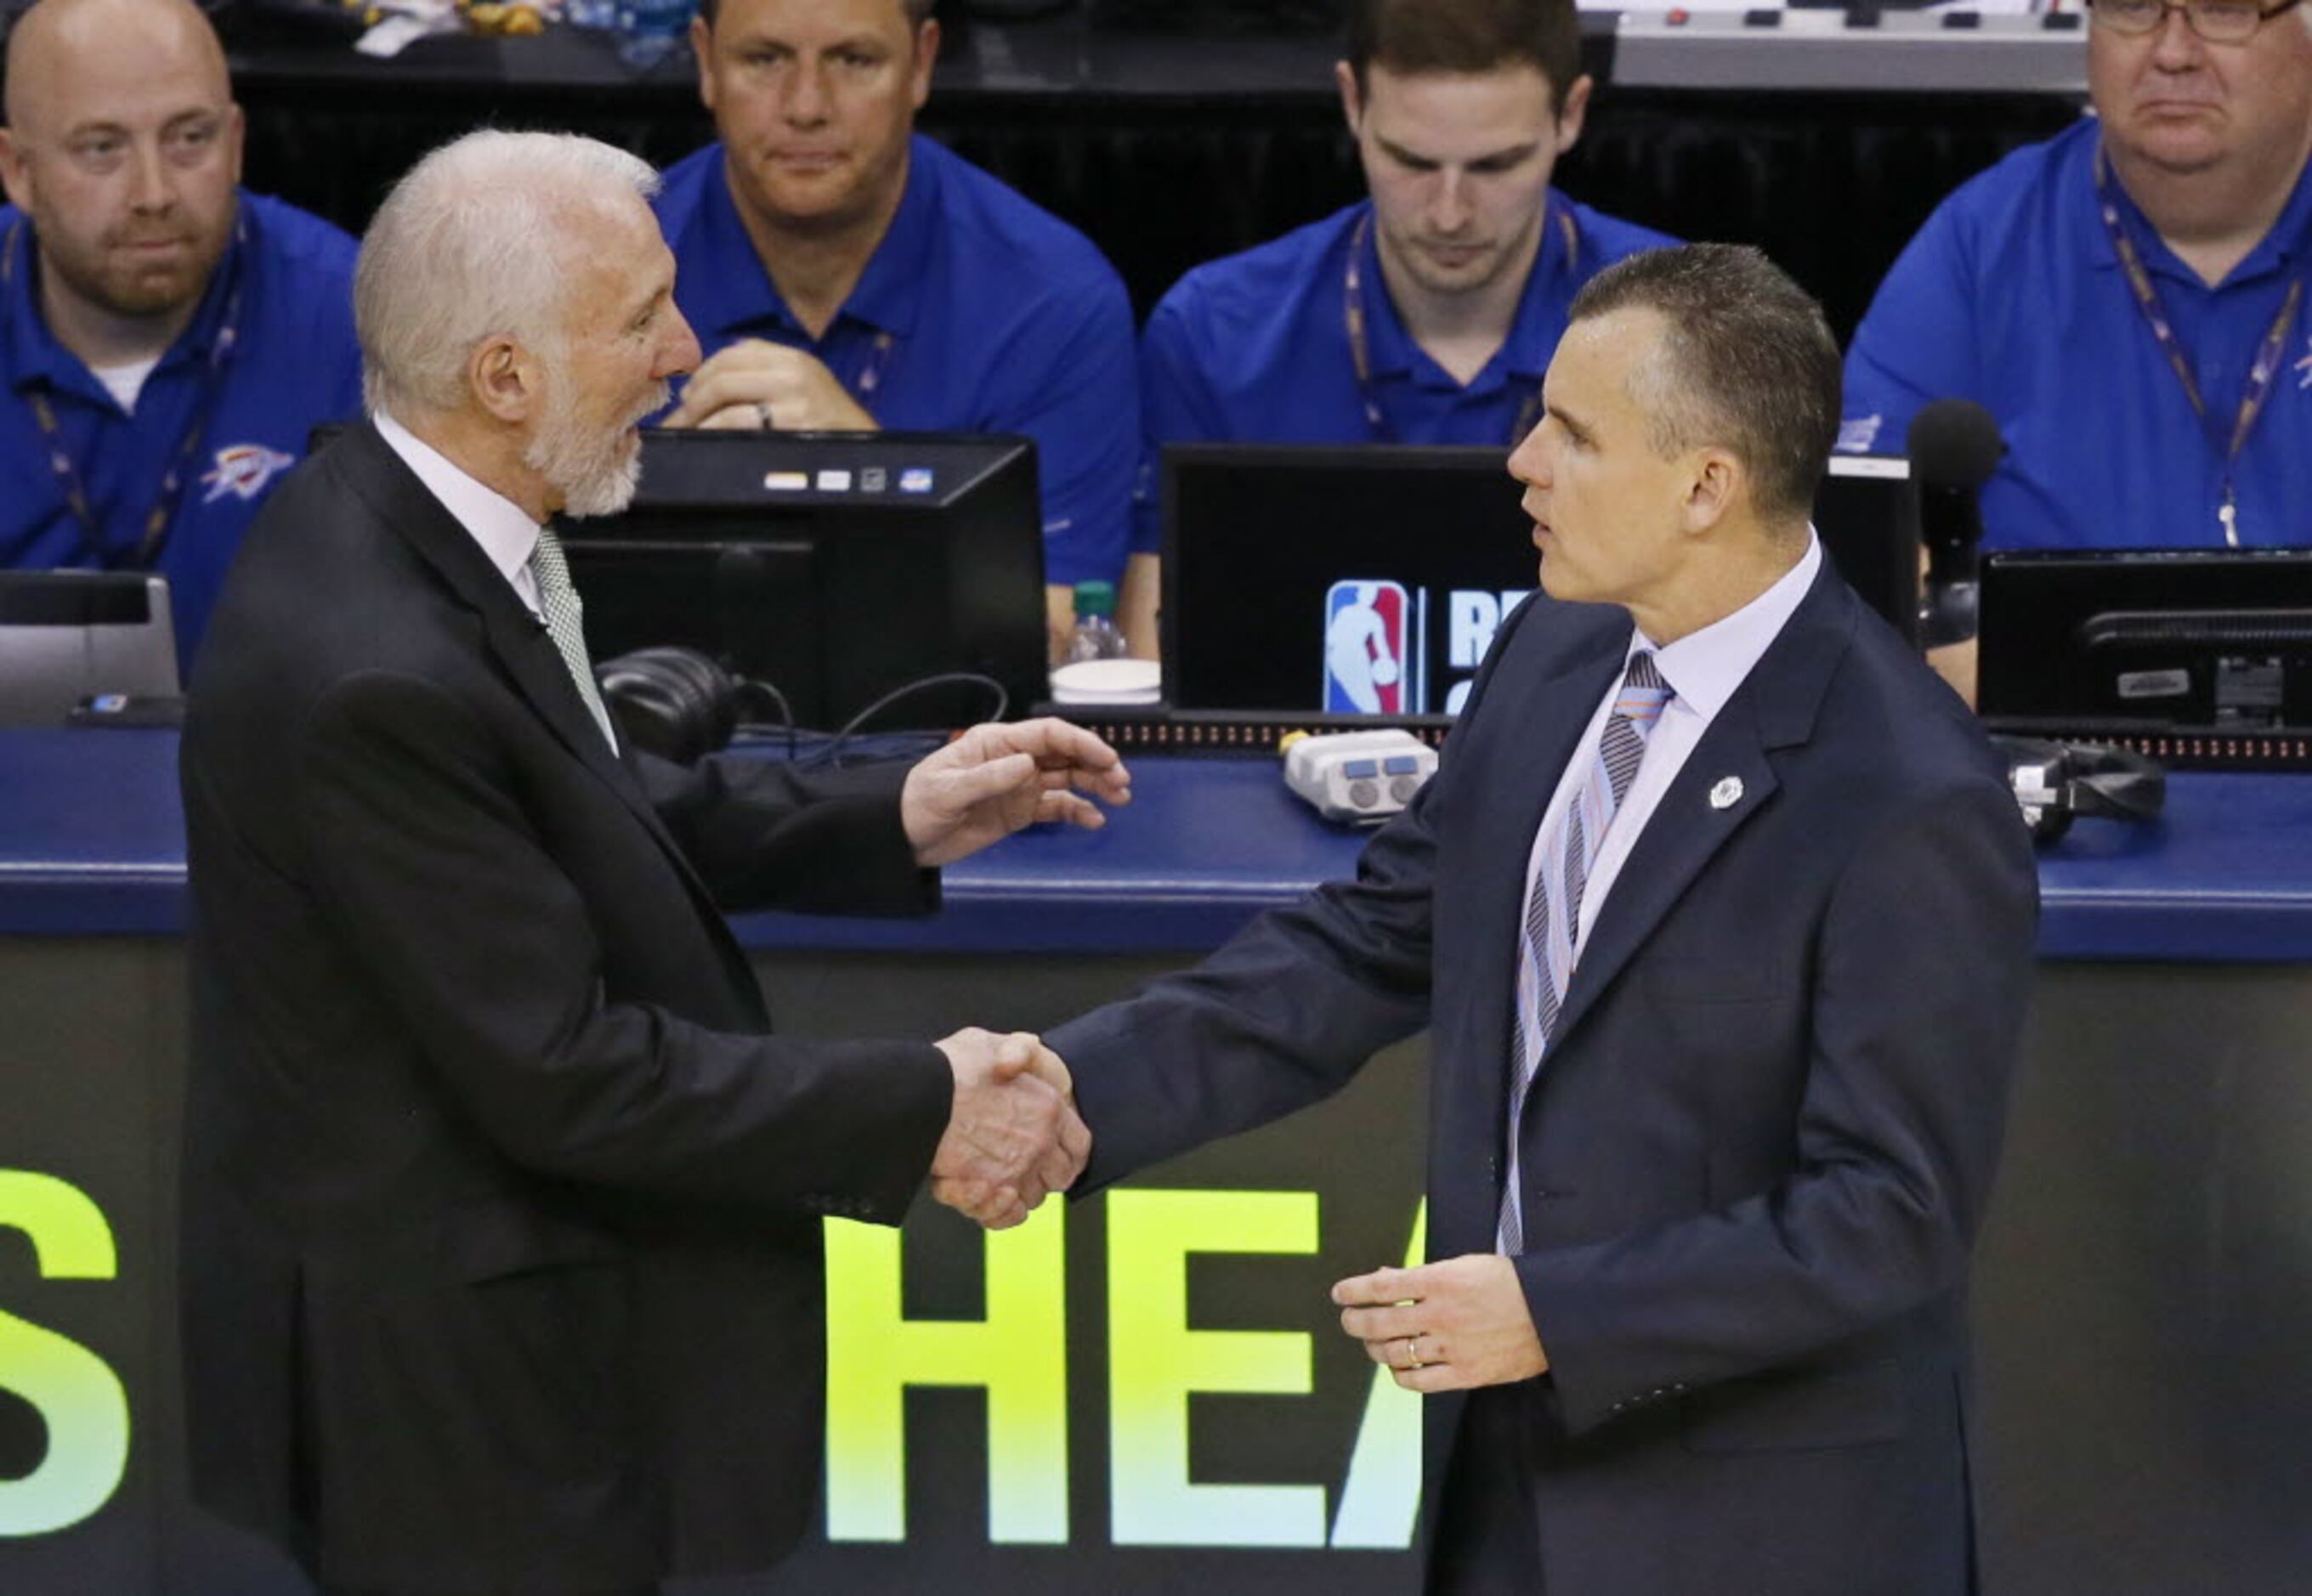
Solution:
(2012, 295)
(294, 364)
(1255, 347)
(1004, 318)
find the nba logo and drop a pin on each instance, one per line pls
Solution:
(1365, 667)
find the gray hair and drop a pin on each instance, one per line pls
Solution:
(1745, 363)
(469, 246)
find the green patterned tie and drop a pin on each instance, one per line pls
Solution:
(565, 622)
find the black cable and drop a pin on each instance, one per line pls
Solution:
(910, 689)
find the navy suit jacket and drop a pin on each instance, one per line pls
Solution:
(1759, 1149)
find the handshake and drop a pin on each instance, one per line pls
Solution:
(1013, 1136)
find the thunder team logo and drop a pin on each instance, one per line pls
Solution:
(242, 470)
(1366, 631)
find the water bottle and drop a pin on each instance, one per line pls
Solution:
(648, 29)
(1096, 636)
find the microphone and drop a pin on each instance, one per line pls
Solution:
(1955, 446)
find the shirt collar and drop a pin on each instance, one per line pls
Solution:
(1705, 667)
(891, 287)
(2288, 242)
(31, 352)
(737, 296)
(1533, 336)
(502, 528)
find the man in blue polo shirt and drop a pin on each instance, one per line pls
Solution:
(2127, 298)
(842, 273)
(166, 340)
(1426, 314)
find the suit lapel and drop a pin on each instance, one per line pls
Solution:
(519, 642)
(1725, 780)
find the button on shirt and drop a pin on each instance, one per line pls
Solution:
(1701, 670)
(295, 365)
(1255, 348)
(2012, 295)
(1003, 319)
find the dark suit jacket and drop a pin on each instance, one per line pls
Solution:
(501, 1264)
(1758, 1151)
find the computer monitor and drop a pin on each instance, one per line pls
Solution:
(67, 635)
(837, 567)
(2197, 657)
(1279, 557)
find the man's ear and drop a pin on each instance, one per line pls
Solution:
(15, 171)
(1718, 479)
(1570, 114)
(927, 48)
(702, 51)
(504, 381)
(1352, 103)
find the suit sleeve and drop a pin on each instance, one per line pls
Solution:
(1279, 1018)
(421, 853)
(1922, 975)
(1283, 1014)
(764, 834)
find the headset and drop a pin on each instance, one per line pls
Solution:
(2056, 782)
(682, 705)
(679, 704)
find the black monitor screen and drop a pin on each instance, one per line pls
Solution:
(835, 567)
(2122, 643)
(1369, 581)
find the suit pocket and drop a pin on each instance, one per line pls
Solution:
(493, 1241)
(1788, 1411)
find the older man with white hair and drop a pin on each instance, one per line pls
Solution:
(502, 1254)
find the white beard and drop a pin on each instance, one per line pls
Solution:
(594, 473)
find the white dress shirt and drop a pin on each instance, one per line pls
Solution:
(502, 528)
(1702, 671)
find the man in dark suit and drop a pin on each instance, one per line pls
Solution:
(502, 1262)
(1721, 918)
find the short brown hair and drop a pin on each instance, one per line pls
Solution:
(919, 11)
(1746, 362)
(1467, 36)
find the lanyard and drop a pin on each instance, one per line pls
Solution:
(1354, 313)
(163, 513)
(2262, 377)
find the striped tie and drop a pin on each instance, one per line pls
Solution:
(565, 622)
(1553, 908)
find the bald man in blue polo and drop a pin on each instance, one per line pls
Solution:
(167, 339)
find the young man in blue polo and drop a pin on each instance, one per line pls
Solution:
(2127, 298)
(844, 273)
(167, 341)
(1428, 312)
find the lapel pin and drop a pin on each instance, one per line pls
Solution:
(1726, 793)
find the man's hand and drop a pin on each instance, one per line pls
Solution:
(757, 384)
(1445, 1326)
(1013, 1135)
(994, 780)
